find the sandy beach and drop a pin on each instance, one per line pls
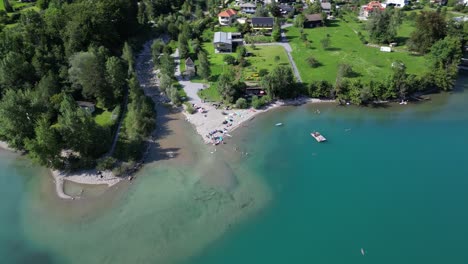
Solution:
(82, 177)
(212, 119)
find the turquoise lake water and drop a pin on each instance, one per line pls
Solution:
(393, 181)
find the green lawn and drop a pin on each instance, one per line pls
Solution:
(211, 93)
(369, 63)
(103, 118)
(226, 29)
(264, 58)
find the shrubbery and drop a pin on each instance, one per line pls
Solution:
(241, 103)
(259, 102)
(189, 108)
(313, 62)
(106, 163)
(229, 59)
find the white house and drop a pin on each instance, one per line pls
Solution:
(227, 17)
(397, 3)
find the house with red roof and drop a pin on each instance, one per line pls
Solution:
(227, 17)
(371, 7)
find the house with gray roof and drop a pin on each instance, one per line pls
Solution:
(263, 23)
(222, 42)
(326, 7)
(227, 41)
(248, 8)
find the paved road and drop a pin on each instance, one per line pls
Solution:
(284, 43)
(191, 89)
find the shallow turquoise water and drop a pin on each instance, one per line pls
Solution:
(393, 181)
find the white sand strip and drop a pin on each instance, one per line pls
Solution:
(82, 177)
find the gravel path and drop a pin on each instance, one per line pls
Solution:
(191, 89)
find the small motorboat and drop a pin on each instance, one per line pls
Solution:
(318, 137)
(363, 252)
(279, 124)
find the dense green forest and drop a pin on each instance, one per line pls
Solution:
(67, 72)
(66, 52)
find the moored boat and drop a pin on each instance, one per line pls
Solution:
(318, 137)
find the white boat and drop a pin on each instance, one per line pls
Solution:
(363, 252)
(318, 137)
(279, 124)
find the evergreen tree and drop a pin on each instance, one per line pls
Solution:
(8, 8)
(115, 76)
(18, 110)
(127, 56)
(45, 147)
(183, 46)
(203, 69)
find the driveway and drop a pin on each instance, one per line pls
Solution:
(190, 88)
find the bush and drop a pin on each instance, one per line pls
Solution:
(276, 35)
(229, 59)
(241, 103)
(313, 62)
(174, 96)
(345, 70)
(362, 38)
(262, 72)
(189, 108)
(461, 8)
(325, 43)
(123, 168)
(258, 103)
(241, 51)
(320, 89)
(106, 163)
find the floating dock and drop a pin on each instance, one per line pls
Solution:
(318, 137)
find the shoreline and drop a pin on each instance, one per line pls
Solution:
(89, 177)
(212, 119)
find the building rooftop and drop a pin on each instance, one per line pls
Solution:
(326, 6)
(222, 37)
(286, 8)
(228, 13)
(247, 5)
(374, 5)
(313, 17)
(189, 62)
(84, 104)
(263, 20)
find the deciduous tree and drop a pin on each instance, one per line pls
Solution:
(430, 27)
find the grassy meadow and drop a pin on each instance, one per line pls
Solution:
(369, 63)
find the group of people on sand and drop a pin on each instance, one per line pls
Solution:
(199, 108)
(215, 139)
